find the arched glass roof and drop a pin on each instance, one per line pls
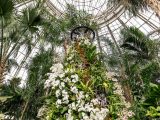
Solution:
(115, 17)
(99, 9)
(110, 21)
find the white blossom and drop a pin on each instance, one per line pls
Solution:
(67, 80)
(74, 89)
(62, 84)
(58, 102)
(74, 78)
(58, 93)
(56, 83)
(58, 68)
(80, 95)
(61, 75)
(72, 106)
(65, 98)
(69, 116)
(47, 83)
(87, 42)
(95, 101)
(41, 111)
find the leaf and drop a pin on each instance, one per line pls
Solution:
(64, 110)
(4, 98)
(153, 85)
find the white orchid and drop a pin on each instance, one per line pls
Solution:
(58, 102)
(58, 93)
(74, 89)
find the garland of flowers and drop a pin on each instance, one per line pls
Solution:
(70, 98)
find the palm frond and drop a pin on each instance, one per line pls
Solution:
(31, 19)
(133, 6)
(136, 41)
(130, 47)
(6, 8)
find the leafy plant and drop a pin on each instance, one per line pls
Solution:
(24, 103)
(90, 52)
(152, 101)
(141, 46)
(153, 112)
(130, 5)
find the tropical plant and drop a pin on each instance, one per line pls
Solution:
(25, 102)
(151, 102)
(74, 18)
(13, 100)
(12, 38)
(140, 56)
(5, 14)
(130, 5)
(34, 92)
(75, 85)
(141, 46)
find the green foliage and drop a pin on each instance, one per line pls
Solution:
(90, 53)
(31, 18)
(152, 101)
(150, 72)
(40, 65)
(152, 98)
(14, 100)
(133, 6)
(33, 93)
(141, 46)
(6, 9)
(141, 66)
(74, 18)
(153, 112)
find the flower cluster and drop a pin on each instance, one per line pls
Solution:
(80, 105)
(57, 71)
(41, 111)
(85, 41)
(125, 113)
(70, 99)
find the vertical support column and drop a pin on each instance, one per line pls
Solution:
(114, 40)
(99, 45)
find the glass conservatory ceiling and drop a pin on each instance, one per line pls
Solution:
(111, 17)
(97, 8)
(110, 20)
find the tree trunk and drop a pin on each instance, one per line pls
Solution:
(155, 5)
(24, 110)
(126, 87)
(2, 70)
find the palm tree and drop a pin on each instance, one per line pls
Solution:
(17, 30)
(6, 7)
(133, 6)
(155, 6)
(139, 45)
(139, 51)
